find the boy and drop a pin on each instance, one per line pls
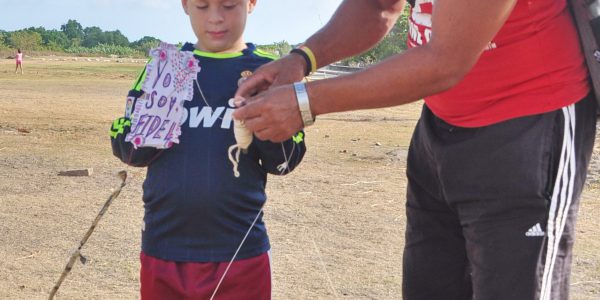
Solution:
(196, 211)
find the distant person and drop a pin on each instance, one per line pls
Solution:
(499, 156)
(19, 61)
(196, 211)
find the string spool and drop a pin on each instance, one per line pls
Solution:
(243, 139)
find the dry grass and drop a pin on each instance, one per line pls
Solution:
(336, 224)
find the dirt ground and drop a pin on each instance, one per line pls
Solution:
(336, 223)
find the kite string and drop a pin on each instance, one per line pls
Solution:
(282, 170)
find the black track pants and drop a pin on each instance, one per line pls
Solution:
(491, 210)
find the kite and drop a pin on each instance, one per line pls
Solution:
(158, 114)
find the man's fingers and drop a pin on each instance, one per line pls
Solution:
(264, 134)
(247, 109)
(271, 134)
(255, 124)
(252, 85)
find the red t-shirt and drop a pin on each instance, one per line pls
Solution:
(533, 65)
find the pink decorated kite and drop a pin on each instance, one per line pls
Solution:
(158, 114)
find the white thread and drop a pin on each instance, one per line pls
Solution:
(287, 159)
(243, 138)
(323, 267)
(201, 93)
(235, 254)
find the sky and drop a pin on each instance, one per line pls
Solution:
(272, 21)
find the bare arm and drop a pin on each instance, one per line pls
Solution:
(461, 29)
(356, 26)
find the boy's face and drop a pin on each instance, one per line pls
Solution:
(219, 24)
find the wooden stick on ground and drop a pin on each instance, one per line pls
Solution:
(77, 253)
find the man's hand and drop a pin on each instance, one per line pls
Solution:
(285, 70)
(272, 115)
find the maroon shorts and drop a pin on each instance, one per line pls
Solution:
(246, 279)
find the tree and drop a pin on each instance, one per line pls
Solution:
(74, 32)
(116, 38)
(25, 39)
(40, 30)
(55, 40)
(394, 42)
(145, 44)
(283, 48)
(93, 36)
(278, 48)
(3, 36)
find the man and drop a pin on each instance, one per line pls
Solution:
(499, 156)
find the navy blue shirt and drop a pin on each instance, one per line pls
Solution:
(196, 210)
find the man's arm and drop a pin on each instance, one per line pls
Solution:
(355, 27)
(461, 30)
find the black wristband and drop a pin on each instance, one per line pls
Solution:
(306, 60)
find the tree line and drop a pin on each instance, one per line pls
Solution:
(73, 38)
